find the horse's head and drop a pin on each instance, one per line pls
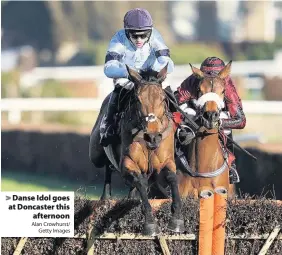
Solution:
(211, 94)
(151, 106)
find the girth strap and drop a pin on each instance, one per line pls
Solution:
(212, 174)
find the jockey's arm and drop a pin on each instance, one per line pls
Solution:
(114, 68)
(185, 94)
(234, 106)
(187, 91)
(162, 53)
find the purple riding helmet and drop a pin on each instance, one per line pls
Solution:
(138, 22)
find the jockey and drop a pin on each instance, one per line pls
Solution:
(139, 46)
(235, 117)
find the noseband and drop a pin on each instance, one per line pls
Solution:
(143, 120)
(210, 96)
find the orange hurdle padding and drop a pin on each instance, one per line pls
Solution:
(220, 206)
(206, 222)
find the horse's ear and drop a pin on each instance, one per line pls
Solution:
(225, 72)
(162, 74)
(197, 72)
(133, 75)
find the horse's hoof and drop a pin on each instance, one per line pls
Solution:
(103, 198)
(151, 229)
(176, 225)
(106, 193)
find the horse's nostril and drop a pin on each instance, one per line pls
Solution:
(147, 137)
(159, 137)
(211, 115)
(152, 138)
(216, 115)
(206, 115)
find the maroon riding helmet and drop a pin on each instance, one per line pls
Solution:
(212, 65)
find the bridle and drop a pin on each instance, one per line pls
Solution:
(200, 105)
(143, 120)
(203, 99)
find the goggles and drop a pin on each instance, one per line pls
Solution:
(142, 35)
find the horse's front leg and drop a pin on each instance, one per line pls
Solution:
(176, 223)
(133, 193)
(133, 174)
(107, 190)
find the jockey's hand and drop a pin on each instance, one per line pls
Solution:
(124, 82)
(129, 85)
(184, 96)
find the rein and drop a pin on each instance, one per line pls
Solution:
(216, 172)
(196, 127)
(139, 131)
(212, 174)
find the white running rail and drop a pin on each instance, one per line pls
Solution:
(14, 106)
(90, 104)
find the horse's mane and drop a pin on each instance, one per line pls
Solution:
(149, 75)
(130, 98)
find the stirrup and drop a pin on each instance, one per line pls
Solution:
(185, 164)
(104, 141)
(233, 176)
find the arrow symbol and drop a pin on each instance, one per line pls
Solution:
(8, 198)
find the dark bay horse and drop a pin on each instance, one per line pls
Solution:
(146, 145)
(206, 155)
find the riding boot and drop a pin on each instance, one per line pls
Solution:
(233, 174)
(107, 130)
(183, 160)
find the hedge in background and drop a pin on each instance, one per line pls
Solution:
(66, 155)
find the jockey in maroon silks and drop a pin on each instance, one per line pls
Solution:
(189, 89)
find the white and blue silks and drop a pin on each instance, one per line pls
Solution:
(121, 51)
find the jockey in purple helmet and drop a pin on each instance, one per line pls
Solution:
(141, 47)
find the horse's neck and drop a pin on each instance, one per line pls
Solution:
(206, 153)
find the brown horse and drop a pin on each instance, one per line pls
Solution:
(146, 145)
(206, 156)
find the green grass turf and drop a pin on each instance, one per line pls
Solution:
(19, 181)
